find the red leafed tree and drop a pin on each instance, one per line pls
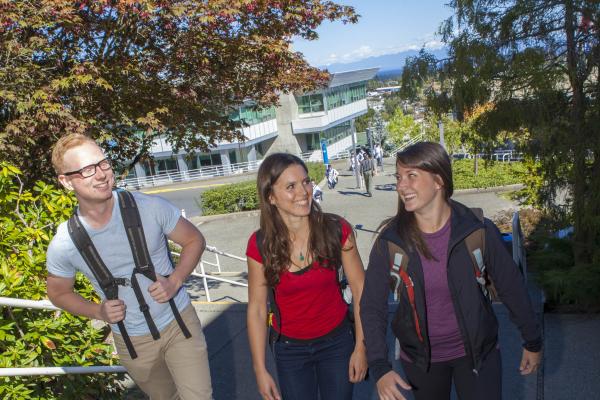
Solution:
(127, 71)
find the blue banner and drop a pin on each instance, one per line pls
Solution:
(324, 151)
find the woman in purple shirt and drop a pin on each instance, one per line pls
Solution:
(444, 323)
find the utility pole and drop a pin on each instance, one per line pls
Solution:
(356, 166)
(441, 126)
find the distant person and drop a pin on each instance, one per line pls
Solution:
(367, 170)
(159, 338)
(379, 156)
(317, 192)
(332, 176)
(444, 322)
(293, 262)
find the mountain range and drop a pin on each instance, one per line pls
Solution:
(387, 63)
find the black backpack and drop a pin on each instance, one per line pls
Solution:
(141, 257)
(399, 278)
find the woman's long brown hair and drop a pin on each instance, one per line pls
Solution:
(430, 157)
(324, 240)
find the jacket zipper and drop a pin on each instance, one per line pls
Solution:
(461, 320)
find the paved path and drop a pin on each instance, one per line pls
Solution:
(572, 360)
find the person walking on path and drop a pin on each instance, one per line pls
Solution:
(367, 170)
(445, 324)
(170, 365)
(332, 176)
(294, 261)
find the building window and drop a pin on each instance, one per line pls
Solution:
(345, 94)
(251, 115)
(162, 166)
(310, 103)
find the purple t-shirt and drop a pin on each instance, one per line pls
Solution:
(442, 325)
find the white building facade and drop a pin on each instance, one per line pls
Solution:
(297, 125)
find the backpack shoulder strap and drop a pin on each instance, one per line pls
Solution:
(273, 309)
(90, 255)
(398, 262)
(135, 234)
(476, 242)
(108, 283)
(143, 262)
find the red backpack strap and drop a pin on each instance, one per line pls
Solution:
(399, 278)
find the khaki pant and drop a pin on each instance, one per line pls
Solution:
(171, 367)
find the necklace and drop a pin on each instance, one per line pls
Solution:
(301, 257)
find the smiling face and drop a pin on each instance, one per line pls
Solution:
(292, 193)
(96, 188)
(419, 190)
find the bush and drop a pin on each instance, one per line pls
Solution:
(243, 196)
(229, 198)
(316, 171)
(490, 174)
(39, 338)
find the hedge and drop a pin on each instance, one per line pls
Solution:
(490, 174)
(243, 196)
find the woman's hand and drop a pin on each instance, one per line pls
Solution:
(266, 386)
(357, 370)
(530, 362)
(387, 387)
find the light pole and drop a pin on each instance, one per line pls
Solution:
(441, 126)
(356, 167)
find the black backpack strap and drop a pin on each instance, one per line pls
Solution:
(107, 282)
(273, 308)
(143, 262)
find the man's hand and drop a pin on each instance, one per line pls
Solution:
(163, 289)
(387, 387)
(112, 311)
(530, 362)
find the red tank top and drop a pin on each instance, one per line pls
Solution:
(309, 302)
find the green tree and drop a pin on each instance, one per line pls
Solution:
(363, 122)
(127, 71)
(542, 61)
(537, 62)
(402, 127)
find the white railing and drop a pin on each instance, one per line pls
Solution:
(205, 276)
(47, 305)
(503, 155)
(409, 142)
(190, 175)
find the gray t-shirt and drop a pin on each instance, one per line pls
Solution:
(159, 218)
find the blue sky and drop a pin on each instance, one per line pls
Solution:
(385, 27)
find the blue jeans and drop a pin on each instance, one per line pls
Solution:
(317, 369)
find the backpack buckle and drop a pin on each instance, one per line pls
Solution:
(123, 282)
(480, 280)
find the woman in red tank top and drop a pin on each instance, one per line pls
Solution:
(296, 255)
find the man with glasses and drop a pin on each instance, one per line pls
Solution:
(172, 366)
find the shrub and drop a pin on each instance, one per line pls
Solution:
(490, 174)
(229, 198)
(38, 338)
(243, 196)
(316, 171)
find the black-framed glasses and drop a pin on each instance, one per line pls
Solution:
(90, 170)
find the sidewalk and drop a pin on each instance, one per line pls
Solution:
(572, 359)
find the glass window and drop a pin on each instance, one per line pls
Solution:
(310, 103)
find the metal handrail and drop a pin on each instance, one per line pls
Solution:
(47, 305)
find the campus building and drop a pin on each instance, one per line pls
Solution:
(296, 126)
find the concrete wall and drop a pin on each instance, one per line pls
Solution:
(285, 141)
